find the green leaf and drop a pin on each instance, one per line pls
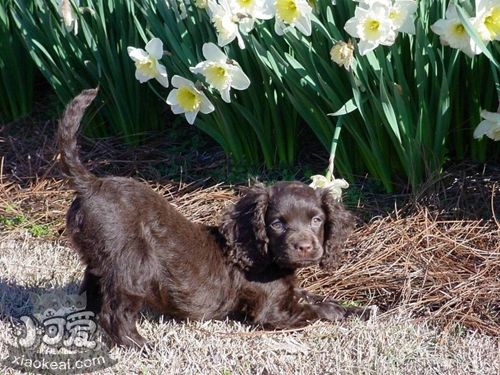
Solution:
(346, 108)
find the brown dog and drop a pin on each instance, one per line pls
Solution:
(140, 251)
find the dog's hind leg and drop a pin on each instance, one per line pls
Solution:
(119, 312)
(92, 289)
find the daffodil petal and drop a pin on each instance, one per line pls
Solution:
(451, 11)
(389, 39)
(141, 77)
(365, 47)
(439, 26)
(407, 27)
(241, 42)
(221, 41)
(162, 75)
(360, 12)
(351, 26)
(155, 48)
(178, 81)
(318, 177)
(137, 54)
(279, 27)
(490, 116)
(247, 25)
(318, 181)
(190, 117)
(482, 129)
(213, 53)
(303, 24)
(224, 93)
(171, 98)
(198, 68)
(340, 183)
(240, 80)
(490, 126)
(206, 105)
(266, 11)
(177, 109)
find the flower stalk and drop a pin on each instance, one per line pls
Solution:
(333, 148)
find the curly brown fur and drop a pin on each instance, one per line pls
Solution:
(66, 137)
(140, 251)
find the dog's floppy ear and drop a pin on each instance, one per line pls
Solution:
(339, 224)
(244, 229)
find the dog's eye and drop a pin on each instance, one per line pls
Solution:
(277, 225)
(316, 221)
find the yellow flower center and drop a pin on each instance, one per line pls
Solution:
(492, 21)
(245, 3)
(372, 29)
(188, 99)
(217, 76)
(287, 10)
(147, 67)
(373, 25)
(459, 29)
(397, 16)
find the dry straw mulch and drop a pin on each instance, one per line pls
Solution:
(447, 271)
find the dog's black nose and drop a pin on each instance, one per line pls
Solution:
(304, 247)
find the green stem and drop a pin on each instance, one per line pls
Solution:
(333, 149)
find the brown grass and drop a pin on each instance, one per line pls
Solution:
(446, 271)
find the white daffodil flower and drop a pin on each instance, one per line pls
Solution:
(146, 62)
(259, 9)
(225, 22)
(487, 20)
(221, 72)
(250, 10)
(342, 53)
(333, 184)
(186, 98)
(401, 14)
(489, 127)
(68, 15)
(372, 26)
(452, 33)
(296, 13)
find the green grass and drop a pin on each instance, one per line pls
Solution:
(22, 222)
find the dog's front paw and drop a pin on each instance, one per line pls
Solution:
(330, 311)
(364, 313)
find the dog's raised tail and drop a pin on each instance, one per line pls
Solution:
(68, 128)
